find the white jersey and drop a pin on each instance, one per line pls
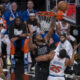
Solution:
(64, 29)
(67, 46)
(57, 66)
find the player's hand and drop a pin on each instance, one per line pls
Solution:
(11, 19)
(75, 47)
(14, 39)
(68, 38)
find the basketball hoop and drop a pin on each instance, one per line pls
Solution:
(45, 19)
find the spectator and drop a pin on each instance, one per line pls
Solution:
(2, 11)
(13, 13)
(17, 34)
(7, 5)
(4, 39)
(33, 24)
(30, 6)
(4, 22)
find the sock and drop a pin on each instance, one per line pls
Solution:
(29, 57)
(12, 56)
(25, 55)
(8, 56)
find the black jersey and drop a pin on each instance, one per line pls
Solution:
(34, 23)
(15, 31)
(42, 50)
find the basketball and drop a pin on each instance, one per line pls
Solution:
(62, 5)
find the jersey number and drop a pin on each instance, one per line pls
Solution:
(55, 69)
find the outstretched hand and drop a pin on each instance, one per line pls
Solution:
(75, 47)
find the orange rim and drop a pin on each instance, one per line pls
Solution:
(47, 14)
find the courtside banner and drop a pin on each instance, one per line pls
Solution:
(71, 11)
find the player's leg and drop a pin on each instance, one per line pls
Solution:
(13, 46)
(25, 48)
(7, 42)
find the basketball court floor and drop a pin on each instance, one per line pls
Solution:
(19, 71)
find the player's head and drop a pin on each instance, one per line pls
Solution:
(63, 22)
(39, 40)
(30, 4)
(39, 37)
(62, 38)
(51, 41)
(6, 1)
(62, 53)
(18, 21)
(2, 8)
(14, 6)
(32, 16)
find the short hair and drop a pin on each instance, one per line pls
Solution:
(63, 35)
(62, 53)
(30, 1)
(18, 18)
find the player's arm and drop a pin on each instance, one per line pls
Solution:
(31, 45)
(70, 62)
(46, 57)
(58, 28)
(69, 29)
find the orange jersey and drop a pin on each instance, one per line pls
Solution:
(59, 15)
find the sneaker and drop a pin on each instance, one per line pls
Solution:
(8, 62)
(13, 61)
(33, 68)
(25, 61)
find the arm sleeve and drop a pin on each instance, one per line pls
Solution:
(11, 31)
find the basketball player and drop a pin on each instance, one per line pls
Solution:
(41, 48)
(58, 64)
(64, 44)
(64, 28)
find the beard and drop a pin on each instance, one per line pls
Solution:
(62, 41)
(17, 25)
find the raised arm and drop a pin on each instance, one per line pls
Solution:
(70, 62)
(58, 28)
(31, 45)
(46, 57)
(69, 29)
